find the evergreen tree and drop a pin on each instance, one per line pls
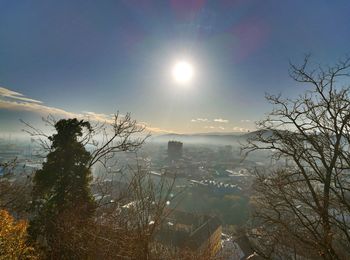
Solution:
(61, 193)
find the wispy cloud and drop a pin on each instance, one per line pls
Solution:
(214, 127)
(209, 127)
(246, 121)
(216, 120)
(98, 116)
(157, 130)
(200, 120)
(12, 95)
(220, 120)
(11, 100)
(240, 129)
(33, 107)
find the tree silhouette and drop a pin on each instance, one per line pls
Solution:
(62, 185)
(304, 206)
(64, 219)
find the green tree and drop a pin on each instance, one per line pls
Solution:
(61, 187)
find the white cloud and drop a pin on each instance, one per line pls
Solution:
(12, 95)
(220, 120)
(217, 120)
(157, 130)
(240, 129)
(214, 127)
(200, 120)
(160, 130)
(11, 100)
(33, 107)
(246, 121)
(209, 127)
(98, 116)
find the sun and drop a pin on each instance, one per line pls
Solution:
(182, 72)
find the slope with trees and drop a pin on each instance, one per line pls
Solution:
(67, 221)
(13, 238)
(61, 187)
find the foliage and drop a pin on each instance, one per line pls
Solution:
(62, 185)
(65, 221)
(13, 239)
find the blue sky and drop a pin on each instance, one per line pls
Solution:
(92, 58)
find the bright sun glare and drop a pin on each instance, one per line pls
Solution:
(182, 72)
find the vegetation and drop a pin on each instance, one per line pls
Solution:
(303, 207)
(62, 186)
(232, 209)
(14, 193)
(13, 239)
(128, 231)
(68, 222)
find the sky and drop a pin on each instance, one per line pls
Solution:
(89, 59)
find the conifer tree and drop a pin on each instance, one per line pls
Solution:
(61, 187)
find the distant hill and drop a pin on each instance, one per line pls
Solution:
(203, 138)
(209, 138)
(253, 134)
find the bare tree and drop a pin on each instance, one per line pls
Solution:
(130, 222)
(125, 222)
(103, 140)
(305, 205)
(14, 189)
(129, 210)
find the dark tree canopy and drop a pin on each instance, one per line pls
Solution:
(65, 219)
(62, 185)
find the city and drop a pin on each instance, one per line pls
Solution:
(174, 129)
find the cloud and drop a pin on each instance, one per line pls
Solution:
(11, 100)
(214, 127)
(98, 116)
(12, 95)
(44, 110)
(200, 120)
(240, 129)
(33, 107)
(246, 121)
(157, 130)
(220, 120)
